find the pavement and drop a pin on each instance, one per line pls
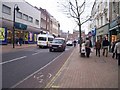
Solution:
(9, 47)
(82, 72)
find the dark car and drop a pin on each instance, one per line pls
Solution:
(58, 44)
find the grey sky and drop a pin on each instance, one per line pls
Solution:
(65, 23)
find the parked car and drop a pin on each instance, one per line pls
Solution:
(69, 43)
(58, 44)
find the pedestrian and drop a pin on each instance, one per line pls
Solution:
(83, 49)
(74, 43)
(98, 47)
(114, 53)
(87, 47)
(17, 41)
(117, 47)
(105, 45)
(20, 41)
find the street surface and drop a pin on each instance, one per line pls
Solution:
(31, 67)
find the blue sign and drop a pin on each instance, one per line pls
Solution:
(94, 32)
(20, 26)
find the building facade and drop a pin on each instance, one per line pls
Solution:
(45, 20)
(27, 24)
(114, 26)
(100, 18)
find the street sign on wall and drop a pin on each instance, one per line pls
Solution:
(20, 26)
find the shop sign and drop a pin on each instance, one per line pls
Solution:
(30, 36)
(102, 31)
(20, 26)
(3, 35)
(94, 32)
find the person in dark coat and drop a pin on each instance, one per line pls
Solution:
(114, 53)
(98, 47)
(87, 47)
(75, 42)
(105, 45)
(17, 40)
(20, 41)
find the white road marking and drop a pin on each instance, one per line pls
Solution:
(41, 80)
(41, 75)
(34, 76)
(38, 78)
(13, 60)
(36, 71)
(35, 53)
(50, 75)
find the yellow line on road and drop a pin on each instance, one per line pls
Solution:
(58, 73)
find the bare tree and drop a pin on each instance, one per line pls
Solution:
(74, 9)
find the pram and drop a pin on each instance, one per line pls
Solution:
(83, 50)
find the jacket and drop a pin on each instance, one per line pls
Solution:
(105, 43)
(117, 47)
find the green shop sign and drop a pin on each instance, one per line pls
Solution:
(20, 26)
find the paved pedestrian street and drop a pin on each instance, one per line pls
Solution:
(93, 72)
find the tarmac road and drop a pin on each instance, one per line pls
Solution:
(31, 67)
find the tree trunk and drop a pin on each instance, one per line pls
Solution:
(80, 36)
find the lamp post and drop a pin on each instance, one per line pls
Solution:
(17, 9)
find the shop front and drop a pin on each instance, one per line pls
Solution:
(28, 33)
(102, 32)
(114, 29)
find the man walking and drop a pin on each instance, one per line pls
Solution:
(105, 45)
(117, 48)
(98, 47)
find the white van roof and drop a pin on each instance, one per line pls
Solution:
(60, 38)
(44, 35)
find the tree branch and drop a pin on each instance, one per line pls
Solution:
(86, 20)
(71, 9)
(83, 7)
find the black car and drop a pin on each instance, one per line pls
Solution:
(58, 44)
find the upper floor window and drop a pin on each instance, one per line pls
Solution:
(37, 22)
(25, 17)
(6, 9)
(30, 19)
(19, 15)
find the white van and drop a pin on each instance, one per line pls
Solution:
(43, 40)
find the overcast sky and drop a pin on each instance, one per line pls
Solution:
(65, 23)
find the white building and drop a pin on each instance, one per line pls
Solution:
(27, 21)
(100, 16)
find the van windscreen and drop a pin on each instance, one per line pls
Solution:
(42, 38)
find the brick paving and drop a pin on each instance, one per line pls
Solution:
(9, 47)
(93, 72)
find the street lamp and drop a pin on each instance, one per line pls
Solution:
(17, 9)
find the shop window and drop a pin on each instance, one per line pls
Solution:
(9, 36)
(113, 38)
(6, 9)
(26, 36)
